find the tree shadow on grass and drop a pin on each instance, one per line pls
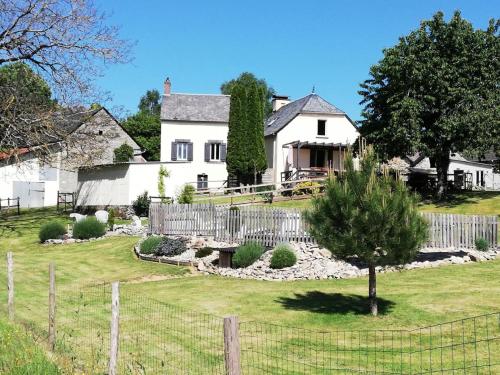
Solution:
(334, 303)
(455, 200)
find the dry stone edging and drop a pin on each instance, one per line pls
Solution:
(313, 262)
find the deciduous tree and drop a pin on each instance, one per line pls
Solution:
(67, 43)
(437, 92)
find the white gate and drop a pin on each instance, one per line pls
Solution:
(31, 194)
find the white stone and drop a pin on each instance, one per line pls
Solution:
(77, 217)
(102, 216)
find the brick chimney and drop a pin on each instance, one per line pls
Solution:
(166, 86)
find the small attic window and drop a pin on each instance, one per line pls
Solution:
(322, 127)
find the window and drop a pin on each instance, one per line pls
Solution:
(322, 127)
(215, 151)
(100, 132)
(317, 158)
(480, 178)
(182, 151)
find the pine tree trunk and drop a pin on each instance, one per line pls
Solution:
(442, 164)
(372, 290)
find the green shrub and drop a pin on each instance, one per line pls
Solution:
(307, 187)
(171, 246)
(481, 244)
(203, 252)
(283, 257)
(186, 195)
(51, 230)
(123, 153)
(111, 218)
(149, 245)
(141, 205)
(88, 228)
(247, 254)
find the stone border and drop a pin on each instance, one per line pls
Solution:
(152, 258)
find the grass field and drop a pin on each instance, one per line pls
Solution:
(409, 299)
(19, 355)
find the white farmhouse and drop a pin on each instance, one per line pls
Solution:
(306, 138)
(194, 137)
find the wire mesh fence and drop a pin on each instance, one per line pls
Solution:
(156, 337)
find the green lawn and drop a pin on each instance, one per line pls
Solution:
(156, 295)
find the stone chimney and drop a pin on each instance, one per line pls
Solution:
(279, 101)
(166, 86)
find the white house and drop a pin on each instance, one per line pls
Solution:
(92, 137)
(303, 138)
(306, 138)
(194, 136)
(465, 174)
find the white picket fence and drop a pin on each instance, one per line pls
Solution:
(270, 226)
(460, 231)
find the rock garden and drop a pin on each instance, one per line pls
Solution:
(88, 228)
(293, 261)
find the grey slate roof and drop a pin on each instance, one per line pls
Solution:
(311, 103)
(191, 107)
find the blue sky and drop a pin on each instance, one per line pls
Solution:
(292, 44)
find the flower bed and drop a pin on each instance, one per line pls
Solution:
(313, 262)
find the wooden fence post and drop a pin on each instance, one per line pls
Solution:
(10, 285)
(232, 346)
(114, 331)
(52, 306)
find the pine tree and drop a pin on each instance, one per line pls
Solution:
(368, 216)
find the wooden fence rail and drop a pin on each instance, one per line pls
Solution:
(270, 226)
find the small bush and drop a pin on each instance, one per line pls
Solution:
(186, 195)
(88, 228)
(123, 153)
(247, 254)
(149, 245)
(203, 252)
(481, 244)
(141, 205)
(171, 246)
(307, 187)
(283, 257)
(51, 231)
(111, 218)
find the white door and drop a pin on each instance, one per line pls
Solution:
(31, 194)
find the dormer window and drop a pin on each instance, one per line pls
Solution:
(321, 127)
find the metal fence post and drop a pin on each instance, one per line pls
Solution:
(232, 346)
(10, 285)
(114, 331)
(52, 306)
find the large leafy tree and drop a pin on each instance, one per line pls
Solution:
(368, 216)
(247, 80)
(145, 125)
(437, 92)
(68, 43)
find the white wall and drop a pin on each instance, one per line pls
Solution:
(473, 168)
(28, 170)
(304, 128)
(120, 184)
(198, 133)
